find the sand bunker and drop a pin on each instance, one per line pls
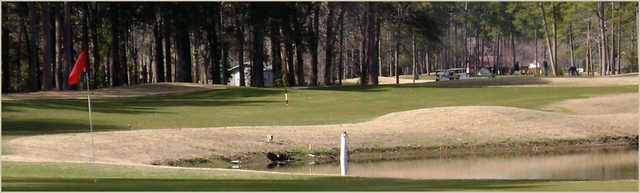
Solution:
(426, 127)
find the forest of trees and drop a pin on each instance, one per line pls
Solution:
(306, 43)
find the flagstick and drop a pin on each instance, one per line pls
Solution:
(93, 151)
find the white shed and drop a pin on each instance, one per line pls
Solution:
(235, 75)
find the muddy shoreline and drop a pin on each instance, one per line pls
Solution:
(259, 161)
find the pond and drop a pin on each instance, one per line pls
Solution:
(595, 165)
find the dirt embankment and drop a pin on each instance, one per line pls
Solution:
(124, 91)
(538, 82)
(384, 81)
(426, 128)
(526, 81)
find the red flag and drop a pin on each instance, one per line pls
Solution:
(78, 68)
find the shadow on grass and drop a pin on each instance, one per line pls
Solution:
(35, 127)
(307, 184)
(150, 104)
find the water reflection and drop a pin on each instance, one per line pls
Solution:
(598, 165)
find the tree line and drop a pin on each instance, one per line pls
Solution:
(306, 43)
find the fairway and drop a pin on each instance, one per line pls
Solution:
(78, 177)
(255, 106)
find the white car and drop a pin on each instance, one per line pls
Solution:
(452, 74)
(443, 75)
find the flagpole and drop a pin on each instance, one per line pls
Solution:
(93, 151)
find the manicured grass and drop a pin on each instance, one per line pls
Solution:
(20, 176)
(253, 106)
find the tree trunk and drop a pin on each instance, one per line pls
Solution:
(125, 69)
(516, 66)
(329, 45)
(180, 49)
(68, 46)
(60, 63)
(299, 54)
(214, 50)
(413, 56)
(571, 44)
(34, 73)
(341, 65)
(225, 63)
(240, 38)
(612, 62)
(85, 40)
(183, 71)
(257, 56)
(159, 58)
(95, 18)
(363, 46)
(390, 56)
(379, 46)
(588, 66)
(6, 43)
(549, 48)
(291, 73)
(47, 79)
(427, 62)
(603, 47)
(314, 45)
(22, 41)
(187, 56)
(555, 40)
(167, 49)
(455, 43)
(465, 52)
(115, 54)
(372, 51)
(276, 59)
(498, 54)
(535, 35)
(619, 43)
(396, 56)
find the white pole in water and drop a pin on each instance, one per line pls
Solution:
(343, 154)
(93, 151)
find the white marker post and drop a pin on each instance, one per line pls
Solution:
(93, 149)
(343, 154)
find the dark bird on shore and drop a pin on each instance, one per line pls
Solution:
(277, 157)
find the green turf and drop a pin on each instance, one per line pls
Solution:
(254, 106)
(20, 176)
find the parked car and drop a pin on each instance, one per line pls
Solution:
(452, 74)
(443, 75)
(486, 72)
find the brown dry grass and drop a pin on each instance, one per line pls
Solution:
(592, 81)
(425, 127)
(605, 105)
(132, 91)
